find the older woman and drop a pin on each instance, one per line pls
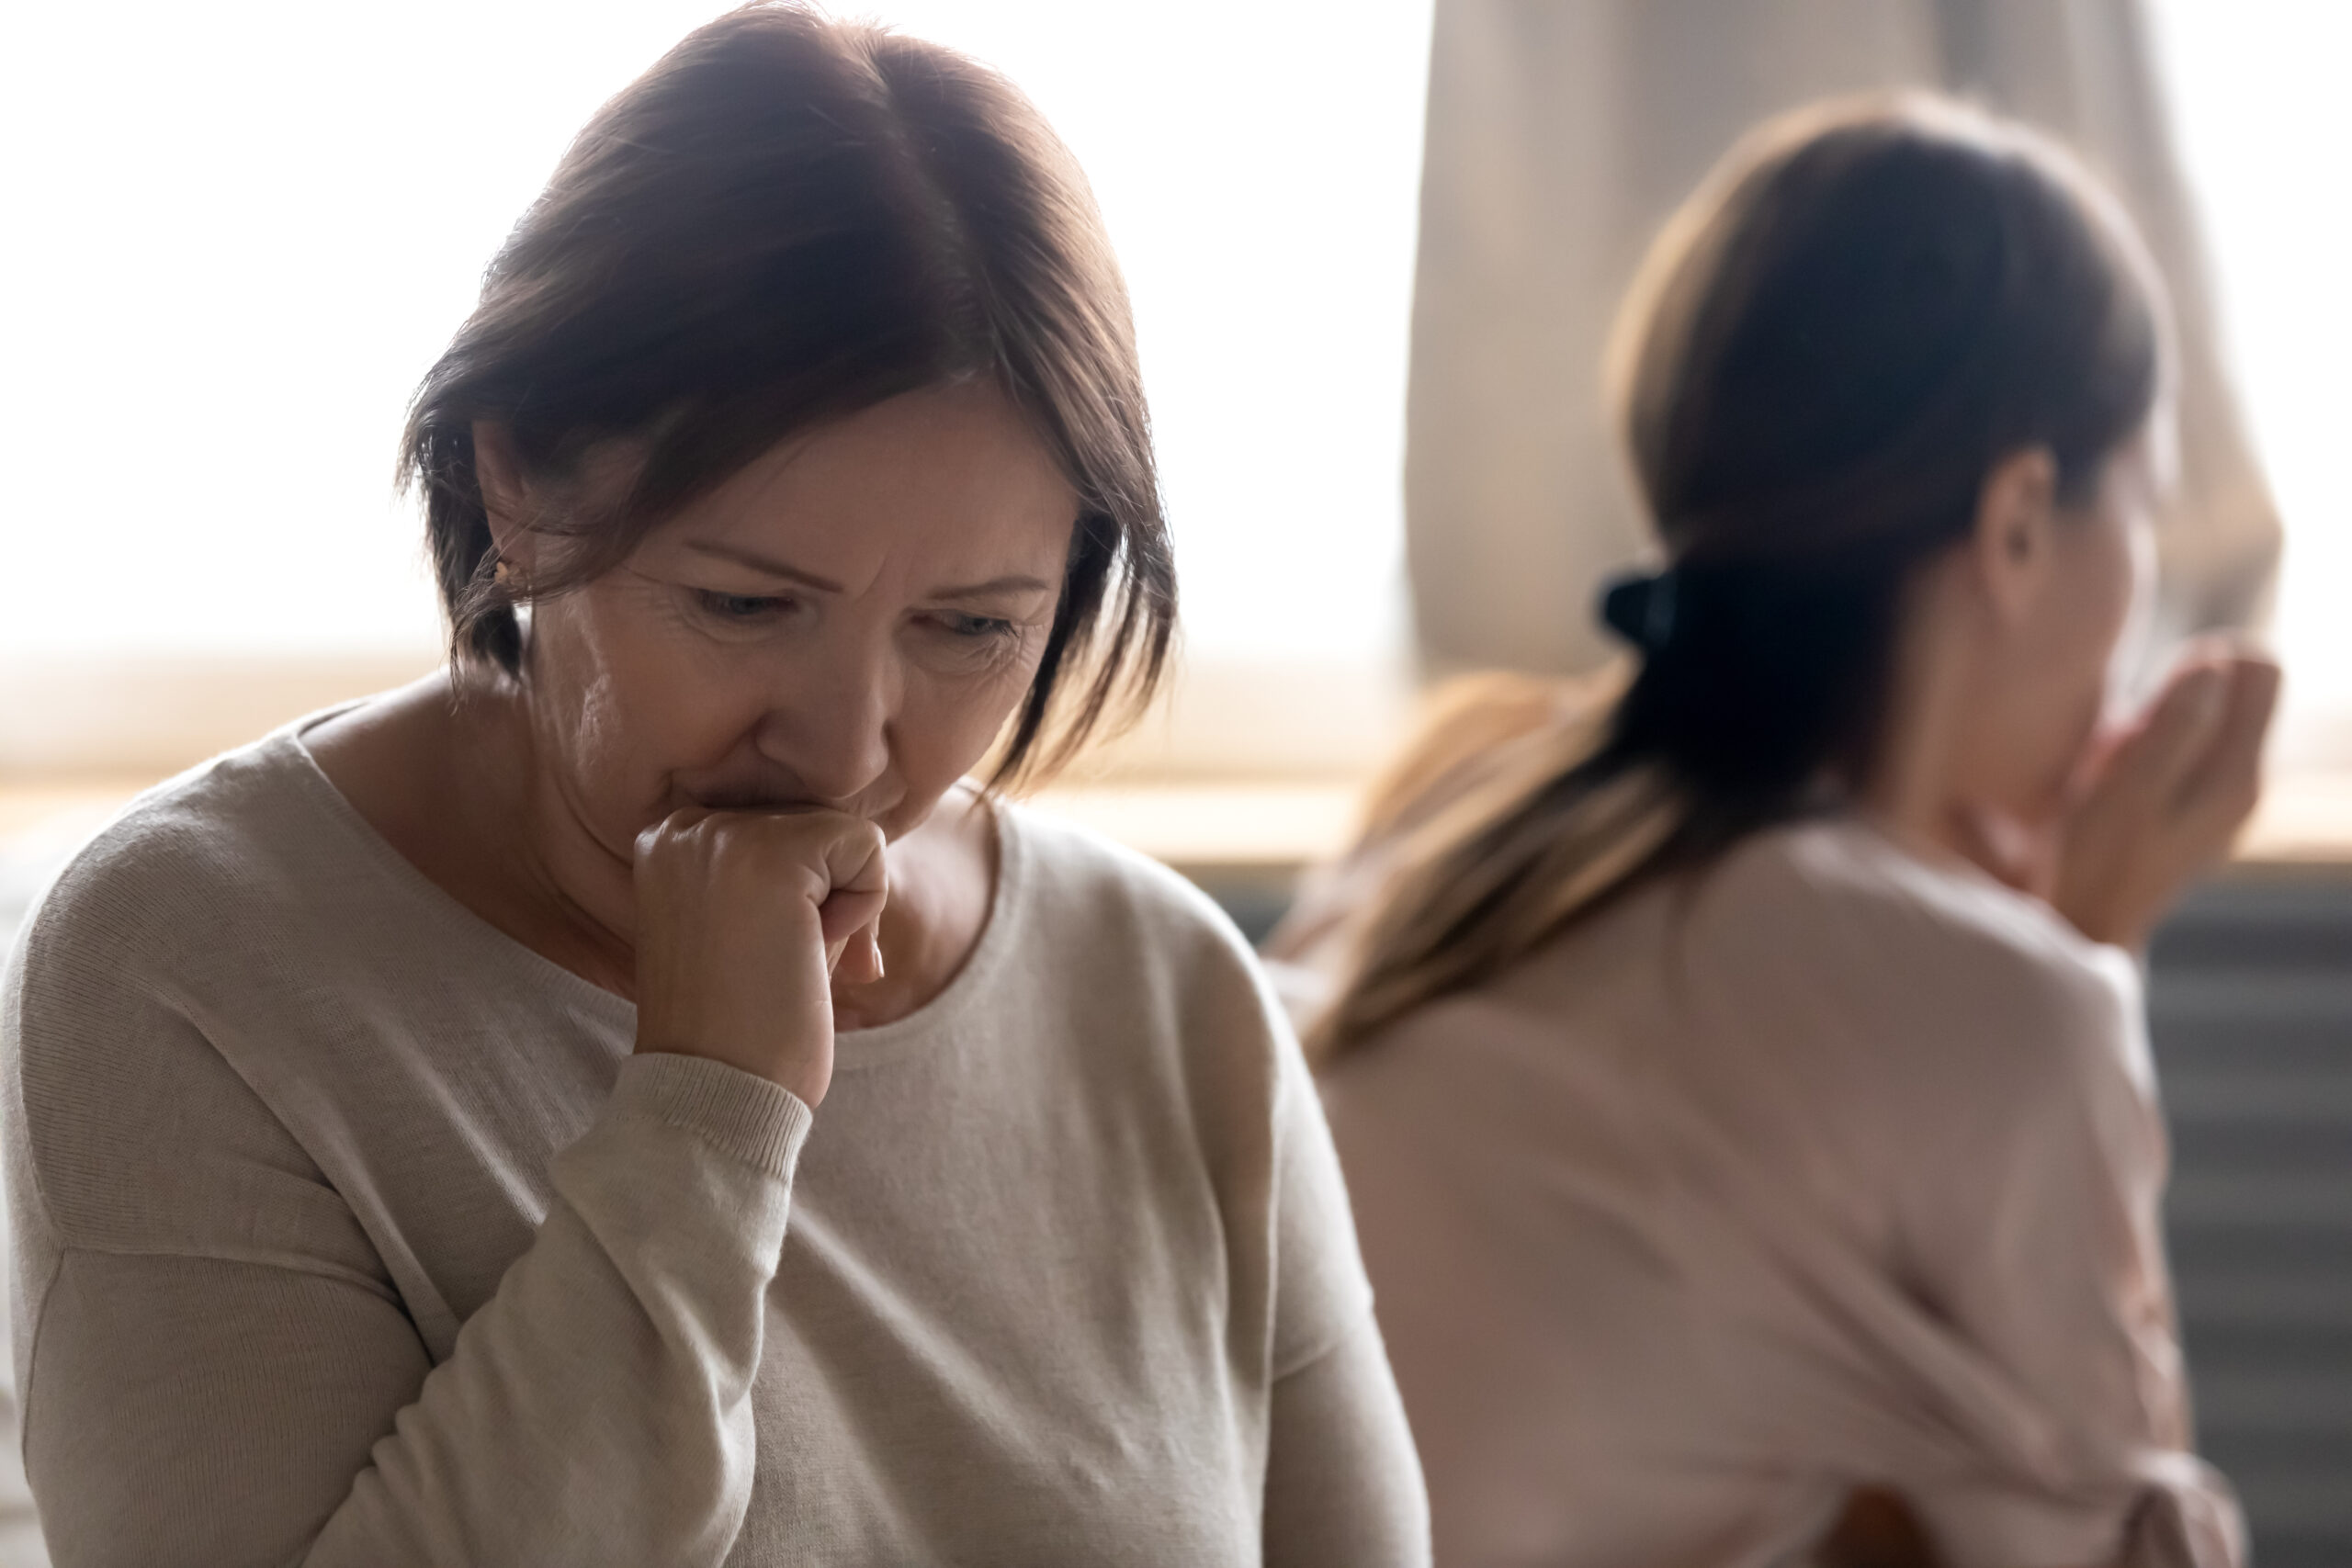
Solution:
(406, 1111)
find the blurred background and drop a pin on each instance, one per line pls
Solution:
(1373, 247)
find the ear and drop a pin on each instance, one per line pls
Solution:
(505, 494)
(2014, 540)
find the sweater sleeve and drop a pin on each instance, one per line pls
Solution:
(1343, 1483)
(1321, 1293)
(2038, 1236)
(268, 1404)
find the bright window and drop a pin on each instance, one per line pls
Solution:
(241, 231)
(2266, 134)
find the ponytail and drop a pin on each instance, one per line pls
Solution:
(1545, 827)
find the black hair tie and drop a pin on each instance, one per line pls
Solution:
(1639, 607)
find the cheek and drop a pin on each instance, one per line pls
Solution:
(2127, 569)
(2078, 668)
(948, 725)
(2139, 613)
(623, 707)
(2117, 599)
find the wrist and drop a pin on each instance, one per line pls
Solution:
(804, 1076)
(2106, 916)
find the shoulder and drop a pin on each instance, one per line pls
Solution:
(1144, 964)
(1083, 888)
(1842, 893)
(181, 865)
(1939, 972)
(113, 1082)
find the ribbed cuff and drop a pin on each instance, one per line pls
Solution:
(737, 1112)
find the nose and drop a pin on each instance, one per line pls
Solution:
(829, 724)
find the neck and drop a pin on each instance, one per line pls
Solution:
(1910, 785)
(581, 891)
(942, 881)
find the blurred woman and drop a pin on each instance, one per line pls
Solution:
(623, 1100)
(1746, 1169)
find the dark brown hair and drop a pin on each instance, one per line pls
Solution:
(786, 220)
(1865, 310)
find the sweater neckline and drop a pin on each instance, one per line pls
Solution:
(853, 1049)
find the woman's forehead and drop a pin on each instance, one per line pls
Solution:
(955, 475)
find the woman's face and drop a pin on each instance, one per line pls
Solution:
(846, 622)
(2051, 671)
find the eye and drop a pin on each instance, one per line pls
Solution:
(975, 629)
(740, 607)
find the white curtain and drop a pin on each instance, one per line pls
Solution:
(1560, 132)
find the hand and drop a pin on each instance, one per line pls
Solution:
(1878, 1529)
(2157, 801)
(743, 920)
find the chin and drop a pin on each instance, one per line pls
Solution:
(904, 816)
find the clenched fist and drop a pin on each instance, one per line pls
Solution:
(744, 918)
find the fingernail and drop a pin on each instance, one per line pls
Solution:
(874, 941)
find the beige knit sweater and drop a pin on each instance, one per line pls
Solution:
(349, 1231)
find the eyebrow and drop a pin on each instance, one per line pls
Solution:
(772, 567)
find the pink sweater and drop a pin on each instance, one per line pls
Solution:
(1827, 1167)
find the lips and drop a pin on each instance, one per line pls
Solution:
(739, 800)
(777, 801)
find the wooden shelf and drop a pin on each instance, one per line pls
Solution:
(2305, 820)
(1265, 827)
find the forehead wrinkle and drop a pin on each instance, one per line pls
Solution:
(1018, 584)
(799, 505)
(758, 562)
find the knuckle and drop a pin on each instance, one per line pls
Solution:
(659, 844)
